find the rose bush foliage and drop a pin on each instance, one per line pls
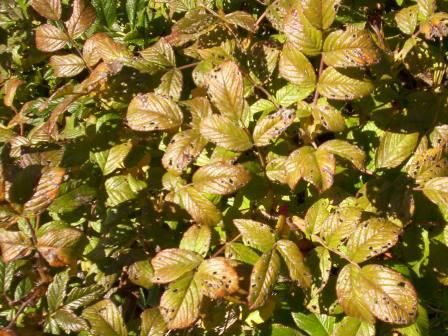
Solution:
(232, 167)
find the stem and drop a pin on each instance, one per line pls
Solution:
(262, 16)
(182, 67)
(316, 93)
(224, 246)
(74, 44)
(340, 254)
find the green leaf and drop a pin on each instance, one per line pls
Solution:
(321, 13)
(202, 210)
(225, 88)
(14, 245)
(293, 258)
(241, 253)
(407, 19)
(346, 151)
(82, 296)
(183, 148)
(331, 118)
(141, 274)
(333, 84)
(70, 200)
(255, 234)
(395, 148)
(180, 303)
(296, 68)
(281, 330)
(376, 291)
(119, 190)
(112, 159)
(263, 278)
(340, 225)
(105, 319)
(217, 278)
(151, 112)
(57, 290)
(436, 190)
(197, 239)
(106, 11)
(220, 178)
(350, 326)
(316, 216)
(372, 238)
(171, 264)
(302, 34)
(349, 48)
(269, 128)
(69, 321)
(225, 133)
(426, 7)
(314, 325)
(153, 323)
(171, 85)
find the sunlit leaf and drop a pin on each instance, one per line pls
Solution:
(340, 225)
(314, 324)
(90, 52)
(372, 238)
(171, 84)
(255, 234)
(180, 303)
(349, 48)
(350, 326)
(376, 291)
(108, 49)
(51, 9)
(346, 151)
(217, 278)
(329, 117)
(395, 148)
(105, 319)
(141, 274)
(82, 17)
(263, 278)
(321, 13)
(82, 296)
(171, 264)
(151, 112)
(336, 85)
(269, 128)
(295, 67)
(197, 239)
(436, 190)
(407, 19)
(426, 7)
(67, 66)
(153, 323)
(50, 38)
(14, 245)
(220, 178)
(293, 258)
(59, 247)
(69, 321)
(225, 88)
(225, 133)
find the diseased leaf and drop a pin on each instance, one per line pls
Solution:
(197, 239)
(171, 85)
(141, 274)
(180, 303)
(263, 278)
(171, 264)
(349, 48)
(346, 151)
(269, 128)
(255, 234)
(407, 19)
(153, 323)
(197, 205)
(301, 33)
(220, 178)
(295, 67)
(50, 9)
(293, 258)
(82, 17)
(225, 133)
(333, 84)
(105, 319)
(50, 38)
(217, 278)
(329, 117)
(160, 55)
(14, 245)
(151, 112)
(372, 238)
(376, 291)
(395, 148)
(242, 19)
(225, 88)
(59, 247)
(316, 216)
(67, 66)
(340, 225)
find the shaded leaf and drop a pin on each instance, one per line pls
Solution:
(57, 290)
(171, 84)
(59, 247)
(242, 19)
(153, 323)
(82, 296)
(141, 274)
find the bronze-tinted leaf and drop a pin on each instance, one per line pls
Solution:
(217, 278)
(263, 278)
(171, 264)
(67, 66)
(225, 88)
(108, 49)
(51, 9)
(59, 247)
(50, 38)
(90, 52)
(14, 245)
(220, 178)
(10, 88)
(83, 16)
(183, 148)
(151, 112)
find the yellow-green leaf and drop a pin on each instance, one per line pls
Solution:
(171, 85)
(321, 13)
(340, 225)
(105, 319)
(197, 239)
(269, 128)
(346, 151)
(394, 148)
(436, 190)
(295, 67)
(407, 19)
(153, 323)
(255, 234)
(298, 270)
